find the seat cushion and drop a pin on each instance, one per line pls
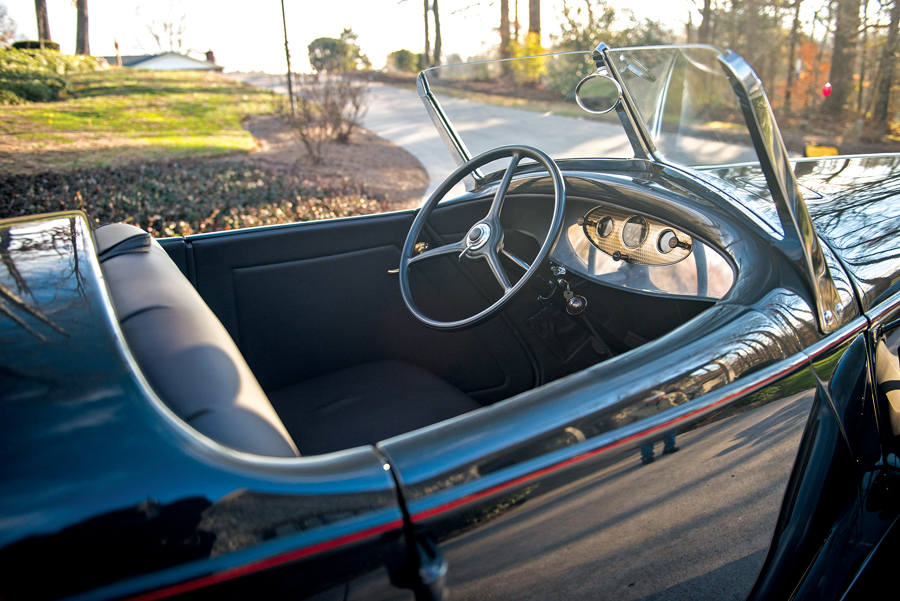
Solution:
(365, 404)
(183, 350)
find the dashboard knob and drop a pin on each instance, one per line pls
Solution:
(576, 305)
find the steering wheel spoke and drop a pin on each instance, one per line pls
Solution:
(525, 266)
(500, 195)
(494, 263)
(456, 248)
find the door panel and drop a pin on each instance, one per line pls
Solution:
(554, 500)
(692, 524)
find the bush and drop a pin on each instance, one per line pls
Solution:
(37, 75)
(404, 61)
(186, 197)
(527, 70)
(328, 107)
(34, 86)
(48, 61)
(7, 97)
(33, 45)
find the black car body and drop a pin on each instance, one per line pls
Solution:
(776, 385)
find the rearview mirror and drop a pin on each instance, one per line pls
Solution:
(598, 94)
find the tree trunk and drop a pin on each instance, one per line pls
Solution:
(843, 61)
(504, 29)
(43, 23)
(82, 43)
(703, 31)
(534, 17)
(791, 74)
(426, 57)
(860, 104)
(753, 53)
(877, 125)
(437, 33)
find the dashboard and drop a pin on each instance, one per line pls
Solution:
(634, 238)
(619, 247)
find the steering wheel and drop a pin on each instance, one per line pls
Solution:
(484, 240)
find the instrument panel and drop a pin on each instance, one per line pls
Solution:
(634, 238)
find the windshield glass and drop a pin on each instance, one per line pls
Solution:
(528, 101)
(686, 103)
(681, 94)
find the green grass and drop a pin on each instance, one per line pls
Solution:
(160, 114)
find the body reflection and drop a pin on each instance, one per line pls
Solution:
(668, 448)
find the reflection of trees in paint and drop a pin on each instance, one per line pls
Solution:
(17, 301)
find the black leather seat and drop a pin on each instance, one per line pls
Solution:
(365, 404)
(193, 365)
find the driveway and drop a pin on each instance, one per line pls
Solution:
(398, 115)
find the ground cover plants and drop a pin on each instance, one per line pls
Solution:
(186, 196)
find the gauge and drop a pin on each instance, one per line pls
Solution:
(667, 242)
(604, 227)
(635, 231)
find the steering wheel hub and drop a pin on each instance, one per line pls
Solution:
(478, 236)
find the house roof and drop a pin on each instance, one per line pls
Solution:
(147, 60)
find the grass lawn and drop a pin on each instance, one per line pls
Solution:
(120, 116)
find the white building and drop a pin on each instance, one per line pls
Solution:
(167, 61)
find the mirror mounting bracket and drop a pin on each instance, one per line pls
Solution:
(626, 109)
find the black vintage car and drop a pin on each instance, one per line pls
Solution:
(669, 375)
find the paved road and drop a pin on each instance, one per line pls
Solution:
(397, 114)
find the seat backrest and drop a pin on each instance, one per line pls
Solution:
(182, 348)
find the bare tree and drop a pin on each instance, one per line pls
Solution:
(7, 27)
(82, 43)
(169, 34)
(43, 23)
(504, 29)
(427, 55)
(534, 17)
(843, 59)
(877, 125)
(437, 33)
(703, 32)
(791, 74)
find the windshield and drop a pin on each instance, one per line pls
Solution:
(682, 95)
(687, 103)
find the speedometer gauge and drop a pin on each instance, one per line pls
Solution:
(635, 231)
(604, 227)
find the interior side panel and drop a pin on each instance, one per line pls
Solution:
(310, 299)
(289, 311)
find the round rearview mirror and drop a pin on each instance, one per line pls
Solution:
(598, 94)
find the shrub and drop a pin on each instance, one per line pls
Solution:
(7, 97)
(48, 61)
(34, 86)
(37, 75)
(33, 45)
(328, 107)
(404, 61)
(527, 70)
(186, 196)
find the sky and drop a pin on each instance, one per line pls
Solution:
(249, 36)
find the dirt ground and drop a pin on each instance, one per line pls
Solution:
(387, 172)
